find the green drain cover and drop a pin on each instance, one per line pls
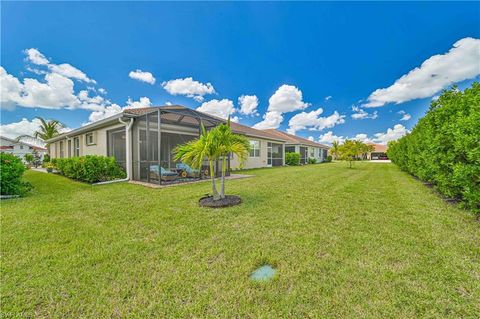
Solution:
(263, 273)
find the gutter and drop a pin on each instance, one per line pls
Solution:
(128, 128)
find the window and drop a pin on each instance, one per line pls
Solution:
(90, 138)
(61, 150)
(76, 147)
(21, 146)
(254, 148)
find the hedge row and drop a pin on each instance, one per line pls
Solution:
(89, 168)
(11, 171)
(444, 147)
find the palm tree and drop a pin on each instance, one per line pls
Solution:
(229, 143)
(194, 152)
(212, 145)
(334, 149)
(48, 129)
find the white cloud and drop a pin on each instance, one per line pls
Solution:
(112, 109)
(141, 103)
(311, 138)
(56, 92)
(142, 76)
(329, 138)
(102, 91)
(107, 111)
(362, 138)
(328, 98)
(391, 134)
(188, 87)
(286, 99)
(220, 108)
(405, 116)
(248, 104)
(36, 57)
(23, 127)
(361, 114)
(270, 120)
(460, 63)
(70, 71)
(313, 121)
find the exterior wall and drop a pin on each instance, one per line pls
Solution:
(98, 148)
(255, 162)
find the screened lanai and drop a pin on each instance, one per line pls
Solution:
(156, 131)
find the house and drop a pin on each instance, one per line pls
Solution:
(142, 141)
(306, 148)
(20, 147)
(379, 152)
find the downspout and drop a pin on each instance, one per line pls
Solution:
(128, 127)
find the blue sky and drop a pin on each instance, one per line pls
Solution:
(290, 56)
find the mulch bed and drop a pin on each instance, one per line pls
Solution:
(229, 200)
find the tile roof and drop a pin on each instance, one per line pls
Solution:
(379, 147)
(293, 139)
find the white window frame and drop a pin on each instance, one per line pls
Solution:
(76, 147)
(254, 148)
(92, 135)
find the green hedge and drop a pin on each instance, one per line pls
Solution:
(90, 168)
(444, 147)
(292, 158)
(11, 171)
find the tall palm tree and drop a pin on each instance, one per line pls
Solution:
(48, 129)
(196, 151)
(334, 149)
(229, 143)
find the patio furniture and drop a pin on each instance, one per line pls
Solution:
(163, 173)
(186, 170)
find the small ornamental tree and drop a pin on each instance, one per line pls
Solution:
(351, 150)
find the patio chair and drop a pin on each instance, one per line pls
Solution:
(187, 171)
(164, 174)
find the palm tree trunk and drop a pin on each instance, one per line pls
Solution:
(216, 196)
(224, 169)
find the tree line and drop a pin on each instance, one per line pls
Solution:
(444, 147)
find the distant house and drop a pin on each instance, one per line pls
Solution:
(379, 153)
(306, 148)
(20, 148)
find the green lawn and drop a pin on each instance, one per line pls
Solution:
(347, 243)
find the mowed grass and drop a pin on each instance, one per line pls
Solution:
(347, 243)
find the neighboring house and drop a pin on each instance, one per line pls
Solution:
(306, 148)
(380, 152)
(20, 148)
(142, 141)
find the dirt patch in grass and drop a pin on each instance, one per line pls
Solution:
(229, 200)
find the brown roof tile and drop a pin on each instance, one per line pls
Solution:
(293, 139)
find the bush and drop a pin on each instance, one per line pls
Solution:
(46, 158)
(443, 148)
(292, 158)
(311, 160)
(89, 169)
(328, 159)
(11, 171)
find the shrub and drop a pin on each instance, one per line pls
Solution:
(292, 158)
(311, 160)
(444, 147)
(46, 158)
(90, 168)
(11, 171)
(328, 159)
